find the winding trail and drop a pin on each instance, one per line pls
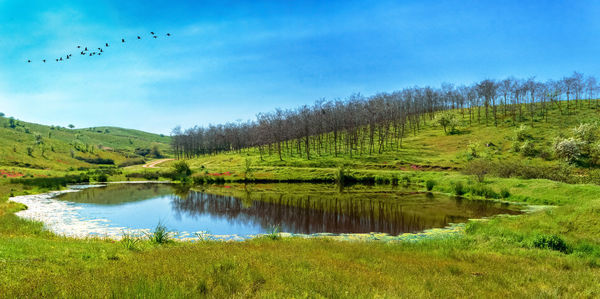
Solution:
(154, 163)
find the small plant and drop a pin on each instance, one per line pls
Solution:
(405, 180)
(160, 235)
(504, 193)
(473, 149)
(380, 180)
(203, 236)
(528, 149)
(479, 168)
(181, 170)
(102, 178)
(248, 170)
(342, 176)
(567, 149)
(522, 133)
(273, 233)
(430, 184)
(459, 188)
(484, 191)
(552, 242)
(130, 241)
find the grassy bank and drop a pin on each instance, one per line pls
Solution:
(548, 253)
(507, 256)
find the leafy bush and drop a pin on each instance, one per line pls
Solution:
(102, 178)
(473, 149)
(160, 235)
(381, 180)
(552, 242)
(528, 149)
(132, 161)
(55, 182)
(130, 241)
(148, 175)
(447, 120)
(181, 170)
(459, 188)
(586, 133)
(96, 160)
(522, 133)
(484, 191)
(568, 149)
(429, 184)
(479, 168)
(504, 193)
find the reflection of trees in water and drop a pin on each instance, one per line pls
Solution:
(115, 194)
(308, 214)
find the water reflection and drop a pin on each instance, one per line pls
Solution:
(296, 208)
(338, 213)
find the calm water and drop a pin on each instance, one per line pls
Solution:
(295, 208)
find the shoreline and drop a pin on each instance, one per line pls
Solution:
(62, 219)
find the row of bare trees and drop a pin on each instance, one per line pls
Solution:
(367, 125)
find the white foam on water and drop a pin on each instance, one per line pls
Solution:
(63, 218)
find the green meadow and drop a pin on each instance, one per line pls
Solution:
(552, 251)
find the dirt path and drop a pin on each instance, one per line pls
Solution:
(154, 163)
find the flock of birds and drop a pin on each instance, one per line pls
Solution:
(95, 51)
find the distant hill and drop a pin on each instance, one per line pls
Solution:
(32, 145)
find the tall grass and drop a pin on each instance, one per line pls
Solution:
(160, 235)
(130, 241)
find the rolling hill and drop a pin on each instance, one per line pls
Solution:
(31, 145)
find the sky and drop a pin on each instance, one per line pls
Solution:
(226, 61)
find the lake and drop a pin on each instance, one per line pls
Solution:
(258, 208)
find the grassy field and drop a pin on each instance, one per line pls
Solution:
(553, 252)
(33, 146)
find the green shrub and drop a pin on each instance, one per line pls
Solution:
(130, 241)
(102, 178)
(459, 188)
(381, 180)
(181, 170)
(132, 161)
(528, 149)
(504, 193)
(479, 168)
(484, 191)
(160, 235)
(405, 180)
(429, 184)
(273, 233)
(552, 242)
(96, 160)
(522, 133)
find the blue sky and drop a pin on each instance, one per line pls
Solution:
(229, 60)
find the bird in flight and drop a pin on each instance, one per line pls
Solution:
(87, 52)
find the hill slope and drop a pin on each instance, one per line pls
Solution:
(30, 145)
(429, 149)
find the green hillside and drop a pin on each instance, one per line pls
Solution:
(30, 145)
(528, 143)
